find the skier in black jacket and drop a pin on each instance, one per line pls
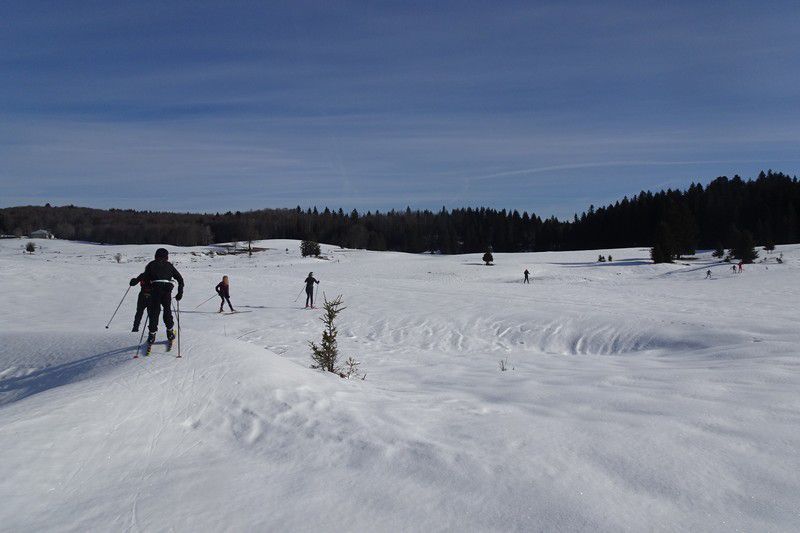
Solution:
(310, 281)
(160, 274)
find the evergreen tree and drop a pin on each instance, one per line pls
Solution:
(744, 248)
(488, 258)
(768, 207)
(664, 248)
(325, 356)
(309, 248)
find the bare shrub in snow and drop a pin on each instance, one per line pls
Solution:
(118, 257)
(351, 370)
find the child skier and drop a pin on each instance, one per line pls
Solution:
(526, 280)
(142, 303)
(160, 273)
(708, 274)
(310, 281)
(223, 289)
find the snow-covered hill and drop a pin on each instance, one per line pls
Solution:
(638, 397)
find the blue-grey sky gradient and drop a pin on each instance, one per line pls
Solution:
(541, 106)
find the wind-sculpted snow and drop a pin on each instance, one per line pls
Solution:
(637, 397)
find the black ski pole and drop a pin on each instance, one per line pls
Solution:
(118, 306)
(138, 346)
(178, 315)
(206, 300)
(316, 293)
(298, 294)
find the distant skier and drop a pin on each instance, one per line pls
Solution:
(733, 268)
(708, 274)
(310, 281)
(160, 274)
(740, 266)
(223, 289)
(527, 279)
(142, 303)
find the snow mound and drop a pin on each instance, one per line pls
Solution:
(631, 400)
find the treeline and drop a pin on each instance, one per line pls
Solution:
(705, 217)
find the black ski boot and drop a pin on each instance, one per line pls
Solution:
(151, 338)
(170, 335)
(135, 329)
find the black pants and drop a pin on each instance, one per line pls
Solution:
(141, 304)
(160, 296)
(222, 303)
(526, 279)
(310, 295)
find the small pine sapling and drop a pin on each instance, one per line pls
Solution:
(30, 247)
(325, 356)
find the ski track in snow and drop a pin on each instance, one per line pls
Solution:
(638, 397)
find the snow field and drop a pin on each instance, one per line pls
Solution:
(638, 396)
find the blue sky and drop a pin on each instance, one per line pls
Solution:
(541, 106)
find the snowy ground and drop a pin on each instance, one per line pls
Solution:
(638, 397)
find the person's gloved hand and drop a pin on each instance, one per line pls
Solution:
(134, 281)
(179, 296)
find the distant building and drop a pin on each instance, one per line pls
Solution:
(41, 234)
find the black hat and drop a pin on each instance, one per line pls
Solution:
(162, 253)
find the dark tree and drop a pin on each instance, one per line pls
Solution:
(309, 248)
(488, 258)
(744, 248)
(768, 207)
(664, 248)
